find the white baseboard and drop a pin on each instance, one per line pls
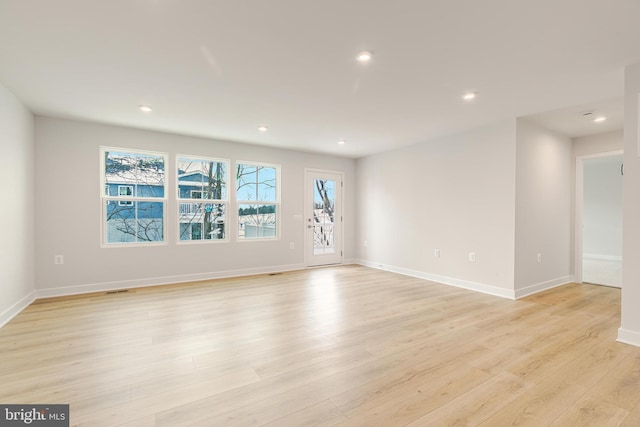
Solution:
(459, 283)
(627, 336)
(12, 311)
(543, 286)
(166, 280)
(16, 308)
(603, 257)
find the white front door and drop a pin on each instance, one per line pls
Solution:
(323, 217)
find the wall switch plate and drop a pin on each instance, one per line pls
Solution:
(472, 256)
(436, 253)
(292, 245)
(58, 259)
(539, 258)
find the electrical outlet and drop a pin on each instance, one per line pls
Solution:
(292, 245)
(436, 253)
(472, 257)
(58, 259)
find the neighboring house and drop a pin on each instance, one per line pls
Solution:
(134, 207)
(199, 221)
(256, 223)
(127, 219)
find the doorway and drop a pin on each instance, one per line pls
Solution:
(323, 217)
(599, 229)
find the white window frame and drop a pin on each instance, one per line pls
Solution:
(129, 200)
(277, 203)
(224, 201)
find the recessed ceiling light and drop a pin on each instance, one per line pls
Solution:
(600, 119)
(263, 128)
(341, 142)
(146, 108)
(469, 96)
(364, 56)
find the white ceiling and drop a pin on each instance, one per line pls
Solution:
(577, 120)
(219, 69)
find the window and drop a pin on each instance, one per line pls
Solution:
(258, 198)
(202, 179)
(125, 191)
(133, 202)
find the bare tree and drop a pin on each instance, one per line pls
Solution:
(323, 230)
(145, 177)
(207, 213)
(327, 205)
(213, 191)
(251, 186)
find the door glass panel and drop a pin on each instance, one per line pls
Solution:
(323, 216)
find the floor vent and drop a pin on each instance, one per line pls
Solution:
(120, 291)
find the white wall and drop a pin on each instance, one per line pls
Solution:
(543, 208)
(68, 212)
(630, 329)
(602, 208)
(456, 194)
(17, 213)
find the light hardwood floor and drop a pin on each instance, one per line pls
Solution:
(343, 346)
